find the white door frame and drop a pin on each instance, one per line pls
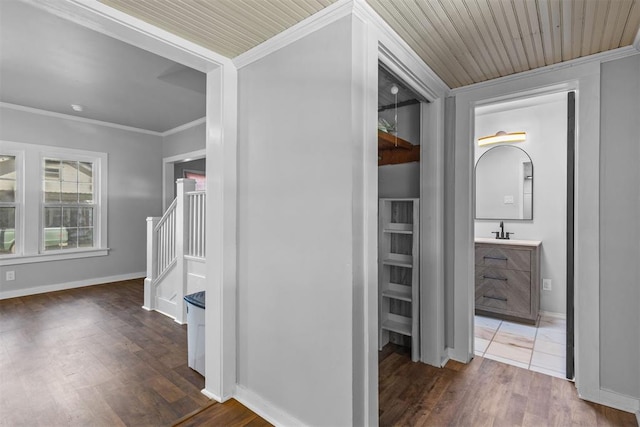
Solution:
(382, 44)
(221, 125)
(584, 78)
(432, 349)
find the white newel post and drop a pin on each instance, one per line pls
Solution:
(152, 264)
(182, 224)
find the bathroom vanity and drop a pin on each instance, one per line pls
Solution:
(507, 279)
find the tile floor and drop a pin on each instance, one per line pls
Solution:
(539, 348)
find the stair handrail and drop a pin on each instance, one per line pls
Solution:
(165, 232)
(163, 218)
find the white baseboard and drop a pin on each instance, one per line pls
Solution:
(70, 285)
(266, 410)
(166, 307)
(445, 359)
(211, 395)
(552, 314)
(612, 399)
(619, 401)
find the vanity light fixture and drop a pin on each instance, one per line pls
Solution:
(502, 136)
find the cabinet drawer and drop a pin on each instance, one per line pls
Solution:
(512, 259)
(508, 291)
(491, 296)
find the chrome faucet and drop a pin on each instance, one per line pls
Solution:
(501, 234)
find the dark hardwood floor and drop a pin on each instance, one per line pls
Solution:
(93, 357)
(481, 393)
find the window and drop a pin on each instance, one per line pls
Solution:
(8, 203)
(56, 208)
(69, 204)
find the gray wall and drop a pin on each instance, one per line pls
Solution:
(134, 193)
(620, 226)
(186, 141)
(295, 237)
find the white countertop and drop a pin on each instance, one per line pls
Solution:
(493, 240)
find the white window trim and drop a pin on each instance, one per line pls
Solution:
(31, 203)
(19, 199)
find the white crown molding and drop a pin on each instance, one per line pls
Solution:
(318, 20)
(70, 285)
(106, 20)
(184, 127)
(601, 57)
(397, 53)
(76, 118)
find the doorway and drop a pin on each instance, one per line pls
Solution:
(501, 333)
(221, 163)
(399, 131)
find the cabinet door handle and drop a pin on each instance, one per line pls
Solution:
(496, 298)
(499, 258)
(504, 279)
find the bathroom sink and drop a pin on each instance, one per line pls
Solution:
(493, 240)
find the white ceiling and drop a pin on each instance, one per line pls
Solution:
(463, 41)
(49, 63)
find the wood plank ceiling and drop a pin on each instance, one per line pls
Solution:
(463, 41)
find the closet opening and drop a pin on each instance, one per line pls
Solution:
(399, 143)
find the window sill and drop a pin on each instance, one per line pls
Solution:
(57, 256)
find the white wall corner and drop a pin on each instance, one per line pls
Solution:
(636, 44)
(307, 26)
(265, 409)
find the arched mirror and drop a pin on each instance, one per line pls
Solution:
(504, 184)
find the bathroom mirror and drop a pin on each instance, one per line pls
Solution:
(504, 184)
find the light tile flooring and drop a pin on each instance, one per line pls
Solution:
(539, 348)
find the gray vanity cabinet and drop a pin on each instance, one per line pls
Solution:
(507, 279)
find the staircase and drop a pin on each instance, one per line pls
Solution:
(176, 253)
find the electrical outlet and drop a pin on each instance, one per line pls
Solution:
(10, 275)
(546, 284)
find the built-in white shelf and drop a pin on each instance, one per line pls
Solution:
(398, 275)
(399, 295)
(398, 260)
(400, 326)
(398, 227)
